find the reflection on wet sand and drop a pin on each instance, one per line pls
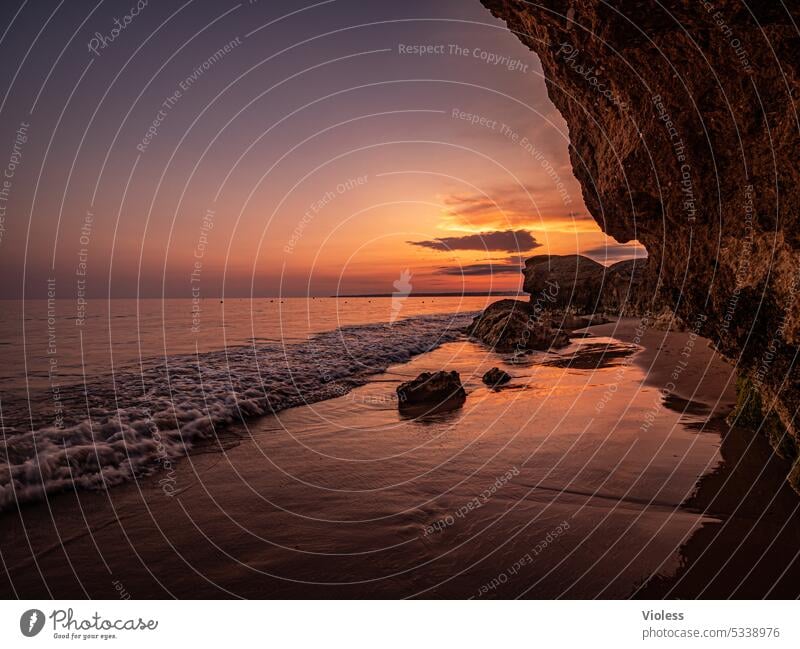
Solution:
(749, 543)
(580, 478)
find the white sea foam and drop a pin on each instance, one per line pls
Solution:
(135, 422)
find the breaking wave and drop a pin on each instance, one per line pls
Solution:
(138, 420)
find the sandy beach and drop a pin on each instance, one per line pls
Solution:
(578, 479)
(678, 361)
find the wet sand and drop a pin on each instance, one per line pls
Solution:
(578, 479)
(679, 361)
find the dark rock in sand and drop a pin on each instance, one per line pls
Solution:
(431, 392)
(513, 325)
(495, 377)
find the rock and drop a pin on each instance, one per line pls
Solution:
(667, 320)
(547, 320)
(622, 288)
(569, 322)
(495, 377)
(580, 285)
(516, 326)
(684, 136)
(564, 282)
(431, 392)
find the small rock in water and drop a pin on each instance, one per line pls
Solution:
(431, 392)
(495, 377)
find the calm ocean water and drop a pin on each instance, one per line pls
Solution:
(90, 402)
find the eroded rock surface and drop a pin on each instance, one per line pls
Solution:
(431, 392)
(583, 286)
(622, 291)
(684, 130)
(564, 281)
(516, 326)
(495, 377)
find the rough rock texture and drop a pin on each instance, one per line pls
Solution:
(622, 289)
(583, 286)
(684, 135)
(564, 281)
(516, 326)
(431, 392)
(495, 377)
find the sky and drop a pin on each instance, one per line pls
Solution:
(265, 148)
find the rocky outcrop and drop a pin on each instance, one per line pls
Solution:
(684, 132)
(564, 281)
(622, 291)
(516, 326)
(580, 285)
(495, 377)
(431, 392)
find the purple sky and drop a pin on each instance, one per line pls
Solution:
(284, 147)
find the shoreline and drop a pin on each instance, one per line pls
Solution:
(332, 499)
(680, 363)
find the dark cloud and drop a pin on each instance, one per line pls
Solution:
(472, 270)
(507, 241)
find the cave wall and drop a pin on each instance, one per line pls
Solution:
(684, 130)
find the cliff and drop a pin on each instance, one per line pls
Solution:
(684, 135)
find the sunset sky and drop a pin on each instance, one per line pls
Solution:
(317, 154)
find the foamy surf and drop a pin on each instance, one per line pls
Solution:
(119, 427)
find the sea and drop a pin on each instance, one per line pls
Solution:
(255, 448)
(90, 397)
